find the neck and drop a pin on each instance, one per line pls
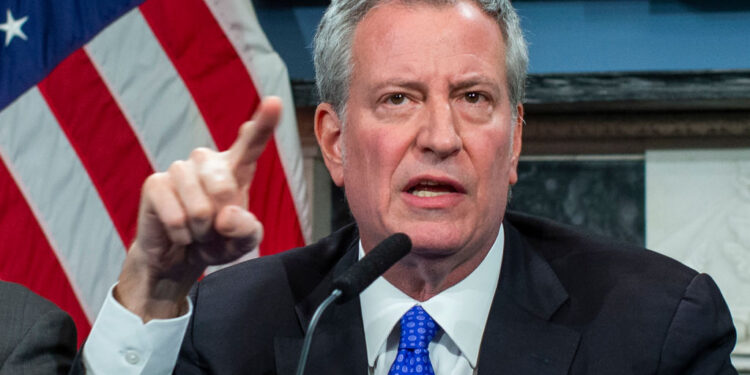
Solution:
(423, 276)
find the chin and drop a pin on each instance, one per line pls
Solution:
(437, 241)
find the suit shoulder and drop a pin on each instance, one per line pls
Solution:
(573, 251)
(624, 299)
(18, 299)
(31, 325)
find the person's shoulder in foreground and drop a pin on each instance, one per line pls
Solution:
(630, 305)
(36, 337)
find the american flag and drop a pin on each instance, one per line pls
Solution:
(95, 96)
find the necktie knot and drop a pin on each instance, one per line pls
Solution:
(417, 329)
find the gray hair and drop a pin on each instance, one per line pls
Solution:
(333, 47)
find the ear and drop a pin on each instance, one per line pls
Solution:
(328, 133)
(516, 151)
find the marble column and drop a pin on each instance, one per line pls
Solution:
(698, 211)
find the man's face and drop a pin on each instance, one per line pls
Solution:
(427, 146)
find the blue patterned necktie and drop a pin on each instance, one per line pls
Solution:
(417, 330)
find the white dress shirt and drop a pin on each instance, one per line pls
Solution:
(461, 311)
(119, 342)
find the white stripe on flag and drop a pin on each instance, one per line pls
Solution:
(149, 90)
(237, 19)
(63, 198)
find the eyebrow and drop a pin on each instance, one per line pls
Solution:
(474, 80)
(461, 84)
(405, 83)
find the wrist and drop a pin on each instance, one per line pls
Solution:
(151, 293)
(151, 304)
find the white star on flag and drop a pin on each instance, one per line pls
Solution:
(12, 27)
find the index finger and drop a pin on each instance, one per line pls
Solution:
(255, 133)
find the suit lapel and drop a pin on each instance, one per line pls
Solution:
(338, 345)
(519, 337)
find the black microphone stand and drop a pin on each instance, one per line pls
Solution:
(311, 327)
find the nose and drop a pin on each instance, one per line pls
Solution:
(439, 134)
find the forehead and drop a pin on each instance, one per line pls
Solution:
(416, 36)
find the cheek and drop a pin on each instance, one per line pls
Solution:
(368, 165)
(491, 155)
(379, 150)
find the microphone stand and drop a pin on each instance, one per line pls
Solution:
(311, 327)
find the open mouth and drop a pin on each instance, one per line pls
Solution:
(432, 188)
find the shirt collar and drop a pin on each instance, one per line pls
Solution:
(461, 310)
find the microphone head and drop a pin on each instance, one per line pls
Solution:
(360, 275)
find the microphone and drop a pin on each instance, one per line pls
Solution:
(356, 279)
(360, 275)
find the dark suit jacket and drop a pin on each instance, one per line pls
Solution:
(566, 303)
(36, 337)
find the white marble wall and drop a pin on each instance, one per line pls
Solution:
(698, 211)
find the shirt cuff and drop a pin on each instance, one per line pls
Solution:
(119, 342)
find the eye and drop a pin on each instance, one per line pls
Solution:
(473, 97)
(396, 99)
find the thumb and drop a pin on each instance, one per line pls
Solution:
(240, 227)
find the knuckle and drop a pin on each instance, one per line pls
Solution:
(201, 153)
(202, 213)
(246, 126)
(223, 192)
(218, 179)
(153, 181)
(214, 171)
(178, 167)
(174, 222)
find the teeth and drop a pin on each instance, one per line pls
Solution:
(427, 194)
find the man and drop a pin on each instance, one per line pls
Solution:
(36, 337)
(420, 122)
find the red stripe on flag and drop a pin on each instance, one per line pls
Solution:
(26, 256)
(226, 97)
(272, 202)
(207, 62)
(101, 136)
